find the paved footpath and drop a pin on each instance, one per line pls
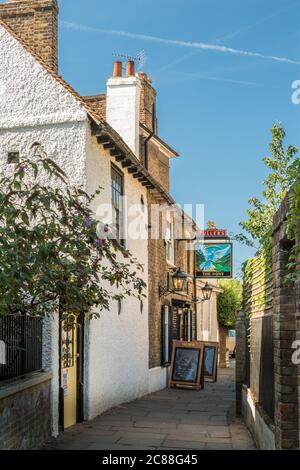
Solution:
(169, 419)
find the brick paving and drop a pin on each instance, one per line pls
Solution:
(169, 419)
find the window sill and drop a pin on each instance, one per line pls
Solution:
(170, 264)
(11, 387)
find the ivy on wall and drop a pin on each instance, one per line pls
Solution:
(293, 231)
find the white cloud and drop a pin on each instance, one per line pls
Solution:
(175, 42)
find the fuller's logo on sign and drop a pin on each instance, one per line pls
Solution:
(213, 233)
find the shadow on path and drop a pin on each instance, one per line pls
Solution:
(169, 419)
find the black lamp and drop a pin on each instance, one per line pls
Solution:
(206, 292)
(179, 281)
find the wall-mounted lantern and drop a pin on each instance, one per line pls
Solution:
(206, 294)
(177, 283)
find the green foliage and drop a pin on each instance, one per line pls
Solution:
(229, 302)
(49, 248)
(283, 169)
(293, 231)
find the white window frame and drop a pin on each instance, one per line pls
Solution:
(170, 252)
(166, 338)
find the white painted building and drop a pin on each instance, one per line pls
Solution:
(207, 315)
(37, 106)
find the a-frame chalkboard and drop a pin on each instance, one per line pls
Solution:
(187, 364)
(211, 361)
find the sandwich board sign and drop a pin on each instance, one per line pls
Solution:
(187, 364)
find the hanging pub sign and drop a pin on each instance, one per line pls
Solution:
(213, 260)
(211, 361)
(187, 364)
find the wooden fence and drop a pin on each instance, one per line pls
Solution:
(258, 307)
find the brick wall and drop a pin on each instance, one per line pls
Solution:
(25, 418)
(276, 311)
(157, 272)
(223, 347)
(157, 276)
(148, 100)
(35, 21)
(286, 330)
(159, 166)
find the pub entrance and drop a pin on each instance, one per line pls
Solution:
(182, 321)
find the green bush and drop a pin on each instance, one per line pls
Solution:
(229, 302)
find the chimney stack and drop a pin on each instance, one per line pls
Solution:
(123, 105)
(35, 22)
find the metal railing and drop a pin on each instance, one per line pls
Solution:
(21, 345)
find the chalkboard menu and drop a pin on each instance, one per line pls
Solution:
(187, 364)
(210, 360)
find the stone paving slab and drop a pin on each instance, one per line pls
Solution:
(170, 419)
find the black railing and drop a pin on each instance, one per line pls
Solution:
(21, 345)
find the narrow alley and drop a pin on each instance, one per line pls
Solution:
(169, 419)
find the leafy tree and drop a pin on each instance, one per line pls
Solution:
(283, 168)
(50, 250)
(229, 302)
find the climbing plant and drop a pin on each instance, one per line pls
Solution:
(50, 250)
(293, 230)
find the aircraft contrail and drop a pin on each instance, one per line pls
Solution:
(175, 42)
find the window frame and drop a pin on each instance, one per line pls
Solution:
(166, 335)
(119, 224)
(170, 245)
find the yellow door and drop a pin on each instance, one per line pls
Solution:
(69, 370)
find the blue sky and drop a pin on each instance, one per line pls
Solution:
(215, 107)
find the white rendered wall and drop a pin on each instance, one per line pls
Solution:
(50, 363)
(116, 346)
(158, 378)
(123, 109)
(34, 107)
(207, 317)
(29, 95)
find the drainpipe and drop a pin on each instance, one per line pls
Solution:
(146, 148)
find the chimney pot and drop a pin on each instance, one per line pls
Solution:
(130, 68)
(117, 69)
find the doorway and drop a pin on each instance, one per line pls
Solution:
(71, 372)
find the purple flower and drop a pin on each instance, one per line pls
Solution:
(99, 242)
(88, 222)
(80, 268)
(106, 228)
